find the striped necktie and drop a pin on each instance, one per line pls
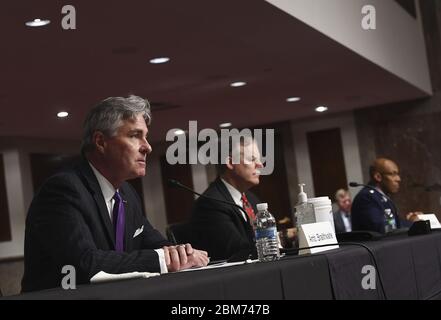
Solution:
(248, 208)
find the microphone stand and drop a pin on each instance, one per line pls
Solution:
(174, 183)
(356, 184)
(241, 255)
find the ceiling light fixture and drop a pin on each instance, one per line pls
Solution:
(62, 114)
(293, 99)
(159, 60)
(37, 23)
(321, 109)
(225, 125)
(238, 84)
(179, 132)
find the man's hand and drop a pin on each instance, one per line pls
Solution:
(413, 216)
(183, 256)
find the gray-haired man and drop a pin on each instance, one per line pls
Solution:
(90, 218)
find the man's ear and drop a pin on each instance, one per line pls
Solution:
(378, 177)
(99, 140)
(229, 163)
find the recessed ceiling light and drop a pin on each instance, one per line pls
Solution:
(179, 132)
(62, 114)
(321, 109)
(37, 23)
(293, 99)
(238, 84)
(225, 125)
(159, 60)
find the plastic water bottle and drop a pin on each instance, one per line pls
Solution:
(390, 223)
(265, 229)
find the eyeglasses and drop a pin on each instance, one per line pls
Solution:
(392, 174)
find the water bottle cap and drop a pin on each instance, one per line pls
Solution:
(262, 206)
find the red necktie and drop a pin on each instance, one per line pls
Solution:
(248, 208)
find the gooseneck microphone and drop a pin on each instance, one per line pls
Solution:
(177, 184)
(356, 184)
(241, 255)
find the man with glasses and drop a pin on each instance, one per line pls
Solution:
(222, 228)
(372, 206)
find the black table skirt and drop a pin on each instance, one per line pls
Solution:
(410, 268)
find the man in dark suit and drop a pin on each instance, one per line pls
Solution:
(371, 204)
(342, 216)
(221, 229)
(90, 218)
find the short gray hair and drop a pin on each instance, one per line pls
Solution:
(107, 115)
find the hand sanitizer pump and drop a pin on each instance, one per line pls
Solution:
(304, 211)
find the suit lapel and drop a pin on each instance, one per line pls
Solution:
(385, 203)
(97, 194)
(248, 224)
(388, 204)
(340, 222)
(226, 194)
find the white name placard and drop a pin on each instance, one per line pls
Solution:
(316, 234)
(434, 223)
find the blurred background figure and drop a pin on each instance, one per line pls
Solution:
(342, 215)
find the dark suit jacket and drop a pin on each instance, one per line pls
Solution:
(368, 211)
(68, 223)
(338, 222)
(220, 228)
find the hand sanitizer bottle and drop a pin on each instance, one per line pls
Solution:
(304, 211)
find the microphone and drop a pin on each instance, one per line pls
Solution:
(356, 184)
(175, 183)
(242, 254)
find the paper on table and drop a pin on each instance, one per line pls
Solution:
(434, 223)
(104, 277)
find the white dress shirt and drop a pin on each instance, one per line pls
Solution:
(236, 195)
(107, 189)
(346, 221)
(108, 192)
